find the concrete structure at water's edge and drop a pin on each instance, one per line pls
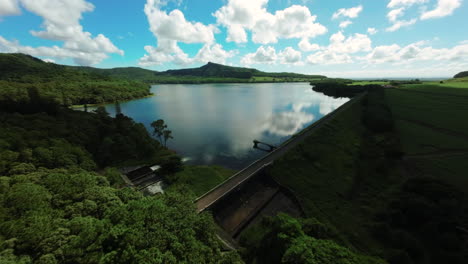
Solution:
(270, 147)
(235, 203)
(145, 178)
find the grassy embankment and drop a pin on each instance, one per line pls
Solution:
(200, 179)
(350, 178)
(432, 125)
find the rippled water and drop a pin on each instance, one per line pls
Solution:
(216, 123)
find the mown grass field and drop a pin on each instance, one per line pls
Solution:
(432, 123)
(322, 171)
(369, 82)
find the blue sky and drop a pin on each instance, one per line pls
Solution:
(352, 38)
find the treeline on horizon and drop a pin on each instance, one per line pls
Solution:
(72, 85)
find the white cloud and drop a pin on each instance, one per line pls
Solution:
(443, 8)
(415, 52)
(353, 44)
(406, 3)
(394, 14)
(305, 45)
(350, 12)
(171, 28)
(238, 16)
(287, 123)
(263, 55)
(62, 23)
(268, 55)
(214, 53)
(9, 7)
(372, 31)
(49, 60)
(399, 24)
(174, 26)
(328, 57)
(290, 56)
(340, 48)
(345, 23)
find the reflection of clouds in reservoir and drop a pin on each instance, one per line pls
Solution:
(328, 105)
(287, 123)
(215, 121)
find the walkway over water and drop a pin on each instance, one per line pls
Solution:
(210, 198)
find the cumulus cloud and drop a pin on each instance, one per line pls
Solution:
(171, 28)
(238, 16)
(263, 55)
(9, 8)
(62, 23)
(214, 53)
(290, 56)
(345, 23)
(349, 13)
(305, 45)
(353, 44)
(268, 55)
(414, 52)
(328, 57)
(443, 8)
(340, 48)
(372, 31)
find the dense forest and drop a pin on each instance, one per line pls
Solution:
(61, 201)
(66, 85)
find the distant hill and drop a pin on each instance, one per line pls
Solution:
(209, 73)
(461, 74)
(20, 74)
(219, 70)
(84, 85)
(16, 66)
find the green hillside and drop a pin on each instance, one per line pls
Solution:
(20, 73)
(461, 74)
(209, 73)
(218, 70)
(396, 191)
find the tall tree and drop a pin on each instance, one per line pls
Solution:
(167, 135)
(158, 128)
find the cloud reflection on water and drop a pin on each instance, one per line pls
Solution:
(216, 123)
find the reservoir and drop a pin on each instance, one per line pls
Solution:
(216, 123)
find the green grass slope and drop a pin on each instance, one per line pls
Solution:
(409, 210)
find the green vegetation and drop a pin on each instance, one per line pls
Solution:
(461, 74)
(199, 179)
(74, 216)
(65, 85)
(59, 201)
(349, 175)
(283, 239)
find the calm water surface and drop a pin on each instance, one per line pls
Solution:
(216, 123)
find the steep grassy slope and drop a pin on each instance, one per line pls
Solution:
(408, 210)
